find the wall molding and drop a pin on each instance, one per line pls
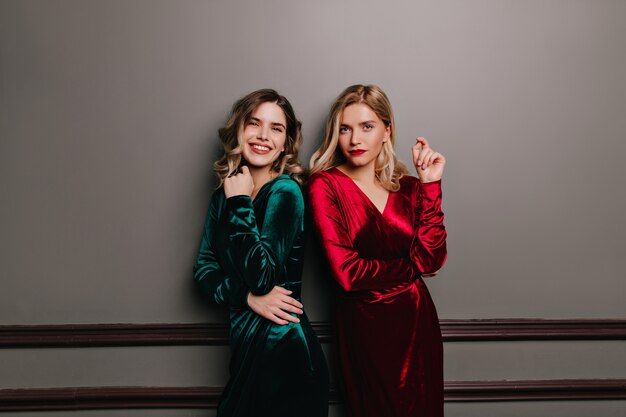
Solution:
(89, 398)
(533, 329)
(134, 334)
(535, 390)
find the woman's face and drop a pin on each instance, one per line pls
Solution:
(361, 135)
(264, 136)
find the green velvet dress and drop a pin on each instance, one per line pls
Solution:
(251, 246)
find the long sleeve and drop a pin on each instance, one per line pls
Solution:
(428, 250)
(208, 272)
(348, 267)
(261, 257)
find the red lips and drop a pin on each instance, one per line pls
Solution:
(357, 152)
(259, 151)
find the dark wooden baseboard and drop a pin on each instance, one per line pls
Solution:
(532, 329)
(565, 389)
(88, 335)
(89, 398)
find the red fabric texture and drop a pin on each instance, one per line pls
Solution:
(389, 340)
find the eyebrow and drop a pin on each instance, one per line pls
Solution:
(370, 122)
(256, 119)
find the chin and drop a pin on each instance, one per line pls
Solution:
(256, 162)
(357, 163)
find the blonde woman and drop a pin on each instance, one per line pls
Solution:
(382, 231)
(251, 258)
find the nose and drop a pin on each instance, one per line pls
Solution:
(355, 139)
(263, 133)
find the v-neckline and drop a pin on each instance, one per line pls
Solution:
(265, 186)
(369, 200)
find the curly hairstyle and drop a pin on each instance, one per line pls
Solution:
(388, 168)
(231, 136)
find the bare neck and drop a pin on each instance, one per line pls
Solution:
(363, 175)
(260, 177)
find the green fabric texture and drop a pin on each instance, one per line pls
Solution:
(251, 246)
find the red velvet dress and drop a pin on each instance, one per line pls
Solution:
(389, 340)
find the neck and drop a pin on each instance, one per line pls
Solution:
(261, 176)
(364, 174)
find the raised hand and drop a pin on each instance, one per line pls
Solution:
(239, 184)
(276, 306)
(428, 163)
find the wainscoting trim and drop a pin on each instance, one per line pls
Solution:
(133, 334)
(581, 389)
(89, 398)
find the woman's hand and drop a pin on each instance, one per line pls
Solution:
(239, 184)
(276, 306)
(428, 163)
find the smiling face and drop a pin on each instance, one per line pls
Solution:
(264, 136)
(361, 135)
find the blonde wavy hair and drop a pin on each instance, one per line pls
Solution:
(388, 168)
(231, 136)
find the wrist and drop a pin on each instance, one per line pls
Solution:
(238, 201)
(425, 178)
(236, 194)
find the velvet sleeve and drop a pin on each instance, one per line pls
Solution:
(261, 257)
(208, 273)
(348, 267)
(428, 250)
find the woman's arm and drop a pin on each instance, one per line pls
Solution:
(349, 269)
(261, 257)
(208, 273)
(428, 249)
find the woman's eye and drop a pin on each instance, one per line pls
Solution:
(368, 127)
(343, 129)
(253, 123)
(278, 129)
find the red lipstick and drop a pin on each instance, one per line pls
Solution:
(357, 152)
(259, 151)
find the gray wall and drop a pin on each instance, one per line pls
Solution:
(108, 120)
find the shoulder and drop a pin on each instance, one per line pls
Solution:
(218, 197)
(285, 187)
(321, 179)
(285, 184)
(217, 204)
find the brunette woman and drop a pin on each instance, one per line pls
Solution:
(382, 231)
(251, 258)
